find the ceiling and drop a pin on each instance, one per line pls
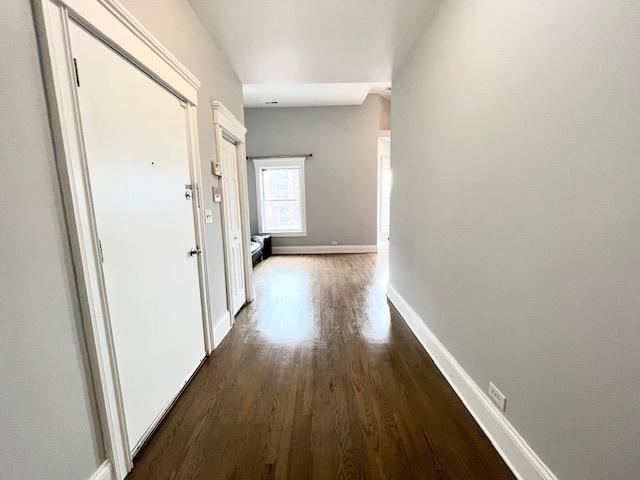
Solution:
(332, 42)
(309, 94)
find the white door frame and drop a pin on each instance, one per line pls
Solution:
(382, 243)
(227, 126)
(114, 25)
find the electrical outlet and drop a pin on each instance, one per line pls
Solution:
(334, 243)
(498, 398)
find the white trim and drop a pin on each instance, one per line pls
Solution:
(221, 328)
(226, 125)
(323, 249)
(382, 237)
(281, 162)
(135, 27)
(115, 26)
(52, 25)
(195, 167)
(278, 162)
(223, 116)
(519, 456)
(383, 245)
(286, 234)
(246, 222)
(104, 472)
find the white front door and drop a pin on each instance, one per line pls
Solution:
(232, 227)
(135, 137)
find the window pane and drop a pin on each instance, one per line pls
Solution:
(282, 216)
(281, 184)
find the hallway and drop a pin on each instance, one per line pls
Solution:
(316, 380)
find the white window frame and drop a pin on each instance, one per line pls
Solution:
(271, 163)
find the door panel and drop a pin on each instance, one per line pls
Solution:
(137, 154)
(233, 226)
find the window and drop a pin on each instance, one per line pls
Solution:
(280, 196)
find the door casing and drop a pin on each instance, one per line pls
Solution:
(228, 128)
(383, 146)
(113, 24)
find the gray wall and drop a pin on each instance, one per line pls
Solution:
(340, 177)
(179, 29)
(515, 219)
(48, 416)
(47, 408)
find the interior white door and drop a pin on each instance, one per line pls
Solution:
(135, 136)
(232, 227)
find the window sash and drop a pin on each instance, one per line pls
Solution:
(270, 169)
(297, 198)
(296, 221)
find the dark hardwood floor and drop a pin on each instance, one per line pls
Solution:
(318, 381)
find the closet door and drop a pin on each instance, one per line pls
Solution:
(135, 136)
(232, 227)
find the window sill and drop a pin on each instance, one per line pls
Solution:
(286, 234)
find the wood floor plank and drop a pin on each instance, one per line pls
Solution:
(319, 379)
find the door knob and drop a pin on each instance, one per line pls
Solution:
(194, 251)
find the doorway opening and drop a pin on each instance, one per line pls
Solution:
(230, 166)
(385, 181)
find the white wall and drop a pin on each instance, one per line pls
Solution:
(48, 426)
(340, 177)
(515, 219)
(48, 415)
(179, 29)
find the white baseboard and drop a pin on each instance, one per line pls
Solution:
(322, 249)
(221, 328)
(104, 472)
(515, 451)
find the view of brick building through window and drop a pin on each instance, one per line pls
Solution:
(281, 199)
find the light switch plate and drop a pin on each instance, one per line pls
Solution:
(216, 168)
(216, 194)
(208, 216)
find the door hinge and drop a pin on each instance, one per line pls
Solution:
(75, 69)
(196, 190)
(198, 203)
(100, 251)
